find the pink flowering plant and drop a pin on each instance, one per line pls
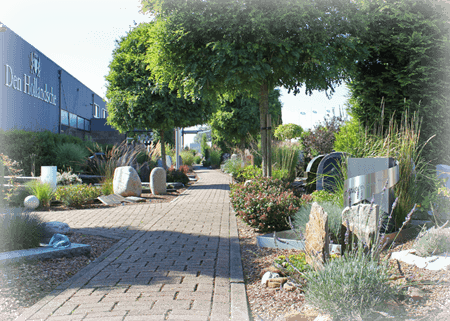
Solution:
(265, 203)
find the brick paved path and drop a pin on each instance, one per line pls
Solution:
(174, 261)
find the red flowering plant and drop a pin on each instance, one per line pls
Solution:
(265, 203)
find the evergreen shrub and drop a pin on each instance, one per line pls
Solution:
(265, 203)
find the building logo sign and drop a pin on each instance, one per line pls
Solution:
(35, 64)
(30, 85)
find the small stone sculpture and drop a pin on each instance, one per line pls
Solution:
(158, 181)
(31, 202)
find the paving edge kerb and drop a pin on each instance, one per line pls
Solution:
(240, 309)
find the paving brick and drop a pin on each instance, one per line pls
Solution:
(183, 250)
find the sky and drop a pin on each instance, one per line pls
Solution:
(80, 37)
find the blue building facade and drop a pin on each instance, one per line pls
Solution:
(37, 94)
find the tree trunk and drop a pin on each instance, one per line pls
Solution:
(163, 150)
(263, 110)
(269, 145)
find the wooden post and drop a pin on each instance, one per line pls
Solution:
(269, 145)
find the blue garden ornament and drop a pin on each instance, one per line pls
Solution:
(59, 241)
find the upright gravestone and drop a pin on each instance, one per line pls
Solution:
(367, 177)
(311, 171)
(169, 162)
(158, 181)
(329, 172)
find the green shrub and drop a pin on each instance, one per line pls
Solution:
(264, 203)
(17, 196)
(347, 288)
(107, 186)
(281, 174)
(19, 231)
(351, 139)
(246, 173)
(187, 157)
(197, 159)
(43, 191)
(215, 157)
(432, 242)
(296, 260)
(70, 156)
(67, 178)
(77, 195)
(232, 166)
(174, 175)
(204, 147)
(323, 196)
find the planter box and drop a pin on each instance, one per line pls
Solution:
(288, 241)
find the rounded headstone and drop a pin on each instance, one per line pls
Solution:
(127, 182)
(329, 171)
(31, 202)
(158, 181)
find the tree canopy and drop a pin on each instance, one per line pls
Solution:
(136, 101)
(233, 47)
(407, 67)
(236, 122)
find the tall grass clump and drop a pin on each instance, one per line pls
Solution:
(43, 191)
(70, 156)
(20, 231)
(284, 160)
(400, 141)
(119, 155)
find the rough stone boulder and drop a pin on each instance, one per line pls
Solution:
(127, 182)
(317, 237)
(56, 227)
(362, 220)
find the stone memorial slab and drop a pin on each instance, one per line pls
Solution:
(311, 172)
(111, 199)
(329, 172)
(366, 179)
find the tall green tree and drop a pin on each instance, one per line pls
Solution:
(407, 67)
(235, 122)
(136, 101)
(233, 47)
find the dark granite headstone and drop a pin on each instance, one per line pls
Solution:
(311, 171)
(328, 172)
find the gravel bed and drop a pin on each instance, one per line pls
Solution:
(427, 292)
(22, 285)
